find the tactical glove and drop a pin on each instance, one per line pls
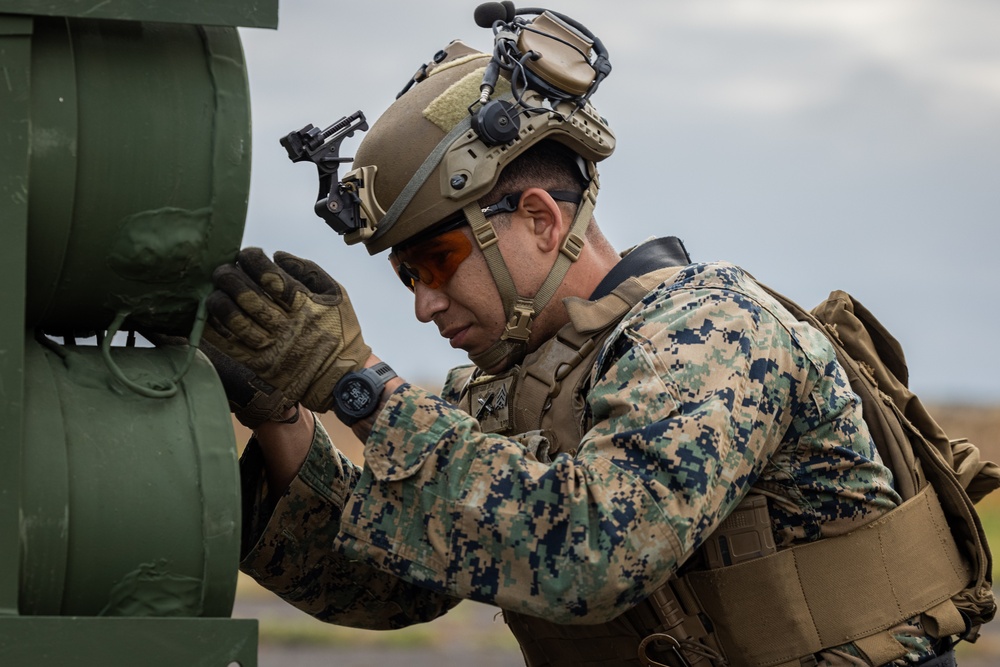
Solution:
(287, 321)
(251, 400)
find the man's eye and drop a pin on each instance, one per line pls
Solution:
(439, 258)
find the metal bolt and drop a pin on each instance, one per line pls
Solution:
(458, 181)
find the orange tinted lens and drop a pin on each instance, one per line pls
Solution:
(434, 261)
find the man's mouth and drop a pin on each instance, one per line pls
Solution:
(455, 335)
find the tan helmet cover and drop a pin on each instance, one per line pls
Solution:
(416, 124)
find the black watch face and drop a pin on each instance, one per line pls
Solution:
(356, 397)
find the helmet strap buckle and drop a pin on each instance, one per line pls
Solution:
(519, 324)
(484, 232)
(572, 246)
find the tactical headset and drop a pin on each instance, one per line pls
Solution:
(566, 71)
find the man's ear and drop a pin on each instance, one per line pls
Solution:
(546, 218)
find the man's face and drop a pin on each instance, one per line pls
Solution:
(453, 288)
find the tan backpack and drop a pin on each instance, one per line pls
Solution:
(909, 441)
(928, 557)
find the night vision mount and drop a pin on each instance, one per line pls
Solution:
(338, 203)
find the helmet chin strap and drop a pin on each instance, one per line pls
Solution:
(520, 311)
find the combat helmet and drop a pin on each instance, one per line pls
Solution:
(457, 123)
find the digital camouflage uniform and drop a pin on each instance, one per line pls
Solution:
(705, 389)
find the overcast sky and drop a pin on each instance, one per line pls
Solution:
(851, 144)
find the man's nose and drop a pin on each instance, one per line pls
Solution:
(428, 302)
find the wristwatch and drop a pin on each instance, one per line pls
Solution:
(357, 394)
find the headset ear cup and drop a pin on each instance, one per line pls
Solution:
(496, 123)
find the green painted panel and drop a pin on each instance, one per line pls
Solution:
(139, 173)
(247, 13)
(53, 156)
(150, 642)
(15, 72)
(44, 532)
(130, 503)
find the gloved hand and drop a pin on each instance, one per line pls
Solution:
(251, 400)
(287, 321)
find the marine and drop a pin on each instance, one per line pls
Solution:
(621, 411)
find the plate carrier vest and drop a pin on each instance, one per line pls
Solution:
(773, 609)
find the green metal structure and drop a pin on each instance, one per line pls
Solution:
(124, 177)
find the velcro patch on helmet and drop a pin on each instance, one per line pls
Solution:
(450, 107)
(456, 62)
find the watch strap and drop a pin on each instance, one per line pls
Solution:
(380, 372)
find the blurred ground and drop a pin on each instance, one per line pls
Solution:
(470, 634)
(474, 634)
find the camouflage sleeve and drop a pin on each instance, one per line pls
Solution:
(691, 399)
(455, 383)
(289, 548)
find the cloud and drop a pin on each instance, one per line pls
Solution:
(779, 58)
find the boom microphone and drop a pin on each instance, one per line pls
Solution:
(489, 13)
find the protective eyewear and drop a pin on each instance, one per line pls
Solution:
(434, 260)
